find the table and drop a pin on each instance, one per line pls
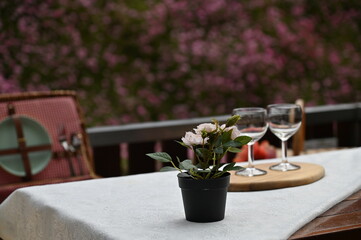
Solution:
(148, 206)
(343, 221)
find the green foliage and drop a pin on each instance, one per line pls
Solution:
(232, 121)
(231, 167)
(187, 165)
(167, 169)
(209, 142)
(150, 60)
(160, 156)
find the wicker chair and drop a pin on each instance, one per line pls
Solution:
(65, 155)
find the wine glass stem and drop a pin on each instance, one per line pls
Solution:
(284, 152)
(250, 155)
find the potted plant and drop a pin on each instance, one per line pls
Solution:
(204, 180)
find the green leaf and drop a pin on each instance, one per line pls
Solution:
(199, 165)
(160, 156)
(235, 168)
(232, 120)
(231, 167)
(218, 141)
(203, 153)
(226, 136)
(218, 174)
(219, 150)
(243, 139)
(232, 144)
(183, 144)
(234, 150)
(167, 169)
(187, 165)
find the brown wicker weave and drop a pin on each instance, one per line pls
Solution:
(53, 110)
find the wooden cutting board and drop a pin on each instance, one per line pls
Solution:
(308, 173)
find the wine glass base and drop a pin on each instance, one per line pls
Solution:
(251, 172)
(285, 167)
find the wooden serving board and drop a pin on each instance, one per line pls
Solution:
(308, 173)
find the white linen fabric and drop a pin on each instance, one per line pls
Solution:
(149, 206)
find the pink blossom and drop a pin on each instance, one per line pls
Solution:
(181, 58)
(205, 127)
(191, 139)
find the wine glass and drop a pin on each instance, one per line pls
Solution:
(284, 120)
(252, 124)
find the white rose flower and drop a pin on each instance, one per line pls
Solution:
(191, 139)
(206, 127)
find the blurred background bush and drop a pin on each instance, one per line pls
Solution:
(149, 60)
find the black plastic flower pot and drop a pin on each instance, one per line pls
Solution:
(204, 200)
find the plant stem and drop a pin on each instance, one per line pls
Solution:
(176, 166)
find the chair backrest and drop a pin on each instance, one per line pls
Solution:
(59, 114)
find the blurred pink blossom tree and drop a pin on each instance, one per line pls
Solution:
(143, 60)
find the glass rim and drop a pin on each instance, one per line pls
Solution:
(249, 109)
(283, 105)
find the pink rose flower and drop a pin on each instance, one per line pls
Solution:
(191, 139)
(205, 127)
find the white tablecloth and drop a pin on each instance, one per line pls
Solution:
(149, 206)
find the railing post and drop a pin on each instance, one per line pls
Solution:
(107, 160)
(138, 162)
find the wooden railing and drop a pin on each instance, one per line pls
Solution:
(340, 123)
